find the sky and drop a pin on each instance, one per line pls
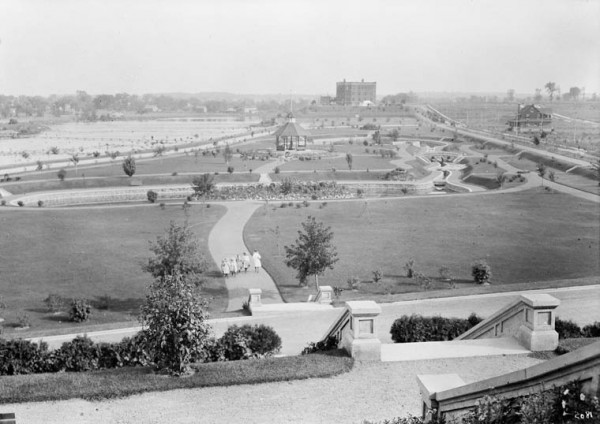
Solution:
(297, 46)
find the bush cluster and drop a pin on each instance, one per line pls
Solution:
(82, 354)
(416, 328)
(245, 342)
(567, 329)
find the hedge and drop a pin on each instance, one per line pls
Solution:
(416, 328)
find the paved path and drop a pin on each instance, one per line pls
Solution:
(225, 241)
(297, 329)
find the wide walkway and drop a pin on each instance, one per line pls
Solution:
(226, 241)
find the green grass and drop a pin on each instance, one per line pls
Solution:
(361, 162)
(90, 253)
(72, 182)
(108, 384)
(526, 237)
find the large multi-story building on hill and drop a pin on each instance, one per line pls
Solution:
(355, 93)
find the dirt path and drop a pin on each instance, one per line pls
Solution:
(373, 391)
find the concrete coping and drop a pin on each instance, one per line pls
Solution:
(254, 291)
(433, 383)
(585, 354)
(540, 300)
(363, 307)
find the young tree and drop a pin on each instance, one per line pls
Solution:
(129, 166)
(481, 271)
(176, 253)
(175, 320)
(500, 179)
(203, 185)
(227, 154)
(75, 160)
(312, 252)
(349, 160)
(541, 170)
(551, 89)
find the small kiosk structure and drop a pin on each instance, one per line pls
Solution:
(291, 136)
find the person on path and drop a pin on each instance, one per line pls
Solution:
(256, 258)
(225, 268)
(239, 262)
(233, 267)
(246, 259)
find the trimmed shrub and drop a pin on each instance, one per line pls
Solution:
(20, 203)
(246, 342)
(567, 329)
(591, 330)
(481, 272)
(416, 328)
(61, 174)
(22, 357)
(152, 196)
(80, 310)
(80, 354)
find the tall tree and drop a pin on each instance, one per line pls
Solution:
(551, 89)
(176, 253)
(349, 160)
(129, 166)
(574, 93)
(312, 253)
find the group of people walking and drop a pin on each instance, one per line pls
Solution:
(234, 266)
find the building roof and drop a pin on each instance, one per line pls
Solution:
(291, 129)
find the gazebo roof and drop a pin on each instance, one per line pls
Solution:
(291, 129)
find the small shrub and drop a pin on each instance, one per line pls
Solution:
(61, 174)
(80, 310)
(305, 204)
(353, 283)
(248, 341)
(23, 320)
(162, 206)
(152, 196)
(481, 272)
(20, 203)
(591, 330)
(230, 169)
(277, 170)
(567, 329)
(40, 203)
(330, 343)
(174, 174)
(54, 303)
(410, 268)
(80, 354)
(3, 202)
(377, 275)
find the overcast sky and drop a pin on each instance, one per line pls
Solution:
(299, 46)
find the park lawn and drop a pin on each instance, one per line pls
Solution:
(526, 237)
(359, 162)
(570, 179)
(122, 382)
(25, 186)
(93, 253)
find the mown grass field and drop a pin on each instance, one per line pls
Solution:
(93, 253)
(526, 237)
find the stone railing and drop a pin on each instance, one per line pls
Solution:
(446, 395)
(530, 319)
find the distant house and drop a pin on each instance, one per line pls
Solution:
(291, 136)
(531, 116)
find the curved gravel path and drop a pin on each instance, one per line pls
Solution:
(373, 391)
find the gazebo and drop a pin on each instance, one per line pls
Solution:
(291, 136)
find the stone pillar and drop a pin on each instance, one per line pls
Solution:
(537, 332)
(254, 299)
(325, 295)
(361, 341)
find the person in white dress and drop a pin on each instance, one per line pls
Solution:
(256, 258)
(225, 268)
(246, 260)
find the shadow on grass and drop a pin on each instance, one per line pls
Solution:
(108, 303)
